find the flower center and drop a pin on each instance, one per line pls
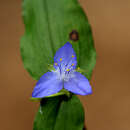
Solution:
(65, 69)
(64, 75)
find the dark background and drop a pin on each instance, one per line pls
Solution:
(108, 108)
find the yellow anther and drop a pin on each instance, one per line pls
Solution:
(78, 68)
(56, 64)
(72, 56)
(60, 59)
(72, 64)
(68, 70)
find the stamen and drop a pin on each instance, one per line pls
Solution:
(68, 70)
(72, 64)
(56, 64)
(60, 59)
(72, 56)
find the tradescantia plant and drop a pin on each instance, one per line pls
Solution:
(59, 29)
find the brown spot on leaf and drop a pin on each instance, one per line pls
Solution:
(74, 36)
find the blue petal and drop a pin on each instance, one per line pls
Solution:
(47, 85)
(78, 84)
(65, 58)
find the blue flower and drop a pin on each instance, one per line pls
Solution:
(64, 76)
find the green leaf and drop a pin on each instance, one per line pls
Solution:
(60, 113)
(48, 24)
